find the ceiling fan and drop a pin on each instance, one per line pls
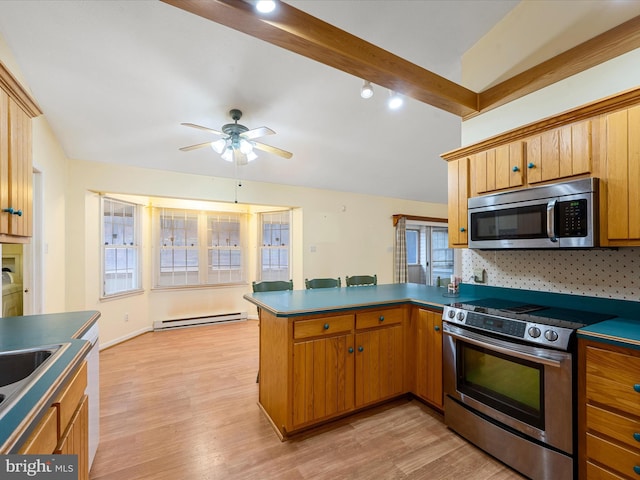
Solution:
(237, 142)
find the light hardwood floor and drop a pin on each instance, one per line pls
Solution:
(182, 404)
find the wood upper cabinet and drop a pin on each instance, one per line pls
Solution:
(559, 153)
(427, 329)
(609, 411)
(498, 168)
(622, 175)
(16, 170)
(458, 183)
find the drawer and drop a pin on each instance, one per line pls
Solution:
(618, 459)
(611, 378)
(44, 438)
(322, 326)
(594, 472)
(618, 427)
(376, 318)
(67, 402)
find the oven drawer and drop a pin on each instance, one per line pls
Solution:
(377, 318)
(325, 326)
(619, 459)
(615, 426)
(613, 379)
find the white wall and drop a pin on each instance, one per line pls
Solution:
(605, 273)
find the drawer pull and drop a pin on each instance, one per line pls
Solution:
(636, 387)
(636, 436)
(636, 469)
(326, 326)
(381, 318)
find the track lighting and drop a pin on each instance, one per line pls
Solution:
(265, 6)
(395, 100)
(367, 90)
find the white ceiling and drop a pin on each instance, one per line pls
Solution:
(116, 78)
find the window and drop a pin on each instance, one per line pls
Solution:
(120, 247)
(429, 258)
(274, 250)
(413, 247)
(199, 248)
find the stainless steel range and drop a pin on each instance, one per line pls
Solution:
(509, 382)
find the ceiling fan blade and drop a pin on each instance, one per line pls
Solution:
(257, 132)
(270, 149)
(195, 147)
(199, 127)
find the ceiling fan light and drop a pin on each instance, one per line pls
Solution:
(251, 156)
(219, 145)
(245, 146)
(228, 155)
(265, 6)
(395, 100)
(367, 90)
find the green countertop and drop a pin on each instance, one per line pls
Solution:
(35, 331)
(292, 303)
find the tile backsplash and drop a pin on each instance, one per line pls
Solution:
(595, 273)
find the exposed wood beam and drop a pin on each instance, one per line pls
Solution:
(418, 218)
(301, 33)
(610, 44)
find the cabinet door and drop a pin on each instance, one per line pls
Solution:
(498, 168)
(323, 378)
(379, 364)
(16, 169)
(562, 152)
(428, 358)
(623, 174)
(458, 184)
(75, 440)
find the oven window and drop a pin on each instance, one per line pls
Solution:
(511, 385)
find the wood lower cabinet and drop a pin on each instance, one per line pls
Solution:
(316, 368)
(64, 429)
(609, 411)
(427, 364)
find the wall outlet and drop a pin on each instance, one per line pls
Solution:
(478, 275)
(126, 317)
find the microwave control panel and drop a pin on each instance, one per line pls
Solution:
(571, 218)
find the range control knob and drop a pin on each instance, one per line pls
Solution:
(452, 313)
(551, 335)
(461, 316)
(534, 332)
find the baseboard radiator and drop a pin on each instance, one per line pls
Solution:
(194, 321)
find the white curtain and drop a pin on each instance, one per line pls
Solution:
(401, 273)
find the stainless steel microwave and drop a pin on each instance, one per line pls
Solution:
(561, 215)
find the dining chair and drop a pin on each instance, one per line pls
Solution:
(322, 283)
(272, 286)
(361, 280)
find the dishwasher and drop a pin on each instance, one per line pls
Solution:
(93, 389)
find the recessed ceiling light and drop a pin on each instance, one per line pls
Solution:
(265, 6)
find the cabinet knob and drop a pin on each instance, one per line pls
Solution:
(462, 229)
(437, 328)
(350, 349)
(636, 436)
(515, 168)
(361, 348)
(381, 318)
(326, 326)
(636, 387)
(636, 469)
(531, 165)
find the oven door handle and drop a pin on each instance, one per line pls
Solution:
(533, 354)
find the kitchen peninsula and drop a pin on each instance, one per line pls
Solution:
(327, 353)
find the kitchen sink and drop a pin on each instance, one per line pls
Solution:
(20, 369)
